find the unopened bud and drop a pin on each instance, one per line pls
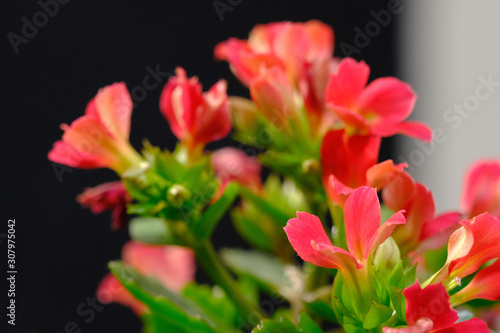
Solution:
(310, 166)
(177, 194)
(387, 255)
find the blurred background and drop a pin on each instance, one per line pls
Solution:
(51, 72)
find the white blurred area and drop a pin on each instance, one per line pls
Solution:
(445, 48)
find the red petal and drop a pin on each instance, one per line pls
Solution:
(485, 245)
(173, 266)
(432, 302)
(481, 188)
(390, 99)
(114, 106)
(308, 238)
(110, 290)
(348, 158)
(346, 85)
(362, 222)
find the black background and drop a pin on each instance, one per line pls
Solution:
(62, 250)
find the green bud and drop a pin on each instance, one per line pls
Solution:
(387, 255)
(310, 166)
(177, 194)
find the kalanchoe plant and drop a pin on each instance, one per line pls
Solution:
(368, 265)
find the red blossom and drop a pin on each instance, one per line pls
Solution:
(99, 138)
(231, 164)
(195, 118)
(481, 192)
(172, 266)
(363, 232)
(429, 310)
(108, 196)
(379, 108)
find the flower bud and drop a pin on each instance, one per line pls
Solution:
(387, 255)
(177, 194)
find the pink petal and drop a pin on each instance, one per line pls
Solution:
(350, 118)
(423, 325)
(110, 290)
(443, 224)
(432, 302)
(337, 191)
(66, 154)
(114, 106)
(362, 222)
(320, 40)
(397, 186)
(348, 157)
(390, 99)
(485, 230)
(416, 130)
(233, 164)
(484, 285)
(481, 188)
(308, 238)
(173, 266)
(345, 87)
(475, 325)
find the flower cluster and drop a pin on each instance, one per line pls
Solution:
(376, 255)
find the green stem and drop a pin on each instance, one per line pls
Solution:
(217, 272)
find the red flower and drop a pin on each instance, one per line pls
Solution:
(345, 161)
(481, 191)
(108, 196)
(472, 245)
(233, 164)
(195, 118)
(423, 230)
(363, 232)
(302, 51)
(290, 46)
(172, 266)
(379, 108)
(428, 310)
(100, 137)
(484, 285)
(273, 93)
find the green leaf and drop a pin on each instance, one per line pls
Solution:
(396, 274)
(267, 270)
(256, 229)
(397, 300)
(150, 230)
(213, 301)
(282, 325)
(211, 217)
(307, 325)
(409, 277)
(377, 314)
(169, 309)
(278, 216)
(322, 309)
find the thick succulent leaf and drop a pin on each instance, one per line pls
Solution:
(377, 314)
(150, 230)
(267, 207)
(282, 325)
(168, 308)
(213, 301)
(204, 227)
(267, 270)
